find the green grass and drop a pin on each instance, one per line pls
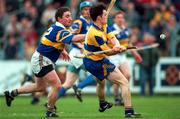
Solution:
(158, 107)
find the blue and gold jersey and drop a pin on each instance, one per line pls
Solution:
(54, 40)
(96, 40)
(80, 26)
(121, 34)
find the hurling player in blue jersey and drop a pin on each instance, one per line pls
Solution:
(80, 26)
(98, 38)
(51, 47)
(122, 33)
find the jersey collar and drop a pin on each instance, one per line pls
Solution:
(59, 24)
(84, 19)
(96, 27)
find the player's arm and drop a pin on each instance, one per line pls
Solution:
(136, 55)
(67, 37)
(114, 42)
(78, 38)
(103, 45)
(79, 45)
(64, 55)
(116, 46)
(76, 27)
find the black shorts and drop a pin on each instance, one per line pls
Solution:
(45, 70)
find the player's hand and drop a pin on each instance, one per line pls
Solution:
(118, 48)
(138, 58)
(64, 56)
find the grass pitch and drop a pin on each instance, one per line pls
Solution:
(157, 107)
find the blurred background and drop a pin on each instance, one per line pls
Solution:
(22, 22)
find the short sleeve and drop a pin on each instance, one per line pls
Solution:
(64, 36)
(124, 34)
(76, 26)
(109, 32)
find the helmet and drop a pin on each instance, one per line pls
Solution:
(85, 4)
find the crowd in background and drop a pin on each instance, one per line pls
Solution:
(22, 22)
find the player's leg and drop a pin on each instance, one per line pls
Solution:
(108, 88)
(100, 89)
(117, 77)
(89, 80)
(53, 80)
(71, 77)
(99, 70)
(117, 96)
(124, 68)
(34, 87)
(86, 82)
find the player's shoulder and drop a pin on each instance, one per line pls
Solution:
(93, 31)
(78, 21)
(58, 26)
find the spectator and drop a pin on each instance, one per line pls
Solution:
(132, 17)
(11, 48)
(29, 35)
(48, 13)
(173, 28)
(147, 67)
(13, 26)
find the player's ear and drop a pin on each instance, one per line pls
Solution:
(59, 18)
(98, 18)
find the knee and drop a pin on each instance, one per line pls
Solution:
(128, 76)
(57, 85)
(125, 83)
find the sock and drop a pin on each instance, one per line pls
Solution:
(62, 92)
(50, 109)
(129, 111)
(14, 93)
(87, 81)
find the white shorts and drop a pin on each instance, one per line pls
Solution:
(38, 61)
(118, 59)
(77, 62)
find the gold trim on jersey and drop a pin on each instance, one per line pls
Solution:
(47, 42)
(105, 69)
(80, 26)
(94, 57)
(124, 42)
(58, 36)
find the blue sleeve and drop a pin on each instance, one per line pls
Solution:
(66, 37)
(99, 40)
(75, 26)
(123, 34)
(109, 29)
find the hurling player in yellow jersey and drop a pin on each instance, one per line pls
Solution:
(43, 60)
(97, 39)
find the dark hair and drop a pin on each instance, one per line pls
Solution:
(97, 10)
(60, 11)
